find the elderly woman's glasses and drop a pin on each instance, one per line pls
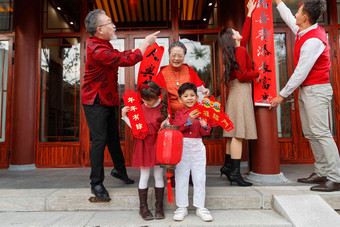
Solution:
(179, 56)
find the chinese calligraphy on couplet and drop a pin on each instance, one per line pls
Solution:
(263, 52)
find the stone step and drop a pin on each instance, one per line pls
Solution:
(306, 210)
(126, 199)
(225, 218)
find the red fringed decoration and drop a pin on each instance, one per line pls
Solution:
(169, 188)
(136, 117)
(150, 64)
(210, 110)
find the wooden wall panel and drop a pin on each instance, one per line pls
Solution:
(306, 153)
(50, 155)
(3, 156)
(286, 151)
(215, 152)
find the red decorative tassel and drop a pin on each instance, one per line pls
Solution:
(169, 188)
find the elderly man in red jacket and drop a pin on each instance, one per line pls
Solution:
(311, 75)
(100, 96)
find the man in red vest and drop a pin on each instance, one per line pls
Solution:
(311, 75)
(100, 96)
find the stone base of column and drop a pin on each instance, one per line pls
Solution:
(21, 167)
(267, 178)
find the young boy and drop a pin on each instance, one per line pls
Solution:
(193, 156)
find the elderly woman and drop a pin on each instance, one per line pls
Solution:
(172, 76)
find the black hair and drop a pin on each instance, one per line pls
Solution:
(228, 47)
(314, 9)
(186, 86)
(178, 44)
(153, 92)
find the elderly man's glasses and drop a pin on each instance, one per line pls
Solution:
(106, 24)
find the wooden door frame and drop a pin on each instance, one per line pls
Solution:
(296, 131)
(301, 148)
(5, 146)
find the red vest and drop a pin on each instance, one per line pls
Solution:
(319, 74)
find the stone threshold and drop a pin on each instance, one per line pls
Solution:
(126, 199)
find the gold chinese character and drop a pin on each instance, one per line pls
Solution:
(130, 99)
(206, 113)
(139, 126)
(216, 117)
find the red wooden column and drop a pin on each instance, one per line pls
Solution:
(26, 24)
(265, 150)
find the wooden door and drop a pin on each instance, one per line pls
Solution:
(6, 46)
(288, 125)
(294, 147)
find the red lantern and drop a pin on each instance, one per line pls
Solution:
(169, 146)
(169, 152)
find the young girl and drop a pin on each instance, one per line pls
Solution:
(155, 112)
(239, 71)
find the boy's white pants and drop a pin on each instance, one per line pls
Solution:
(194, 159)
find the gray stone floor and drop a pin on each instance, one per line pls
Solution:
(79, 177)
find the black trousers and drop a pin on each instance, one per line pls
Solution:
(103, 123)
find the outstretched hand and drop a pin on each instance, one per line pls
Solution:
(251, 7)
(151, 39)
(193, 114)
(125, 110)
(276, 101)
(278, 2)
(203, 122)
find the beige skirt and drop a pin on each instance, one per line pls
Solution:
(240, 109)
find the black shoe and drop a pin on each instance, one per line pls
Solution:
(190, 181)
(99, 191)
(226, 171)
(121, 176)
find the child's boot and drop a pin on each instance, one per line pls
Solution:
(159, 194)
(143, 204)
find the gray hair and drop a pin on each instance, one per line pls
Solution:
(178, 44)
(91, 20)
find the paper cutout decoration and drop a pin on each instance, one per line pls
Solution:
(210, 110)
(135, 115)
(150, 64)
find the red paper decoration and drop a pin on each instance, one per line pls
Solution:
(210, 110)
(135, 115)
(264, 53)
(150, 64)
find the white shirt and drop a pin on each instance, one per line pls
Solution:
(309, 53)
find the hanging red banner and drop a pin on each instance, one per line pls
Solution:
(210, 110)
(135, 115)
(264, 53)
(150, 64)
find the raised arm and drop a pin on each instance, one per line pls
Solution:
(287, 16)
(247, 23)
(104, 55)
